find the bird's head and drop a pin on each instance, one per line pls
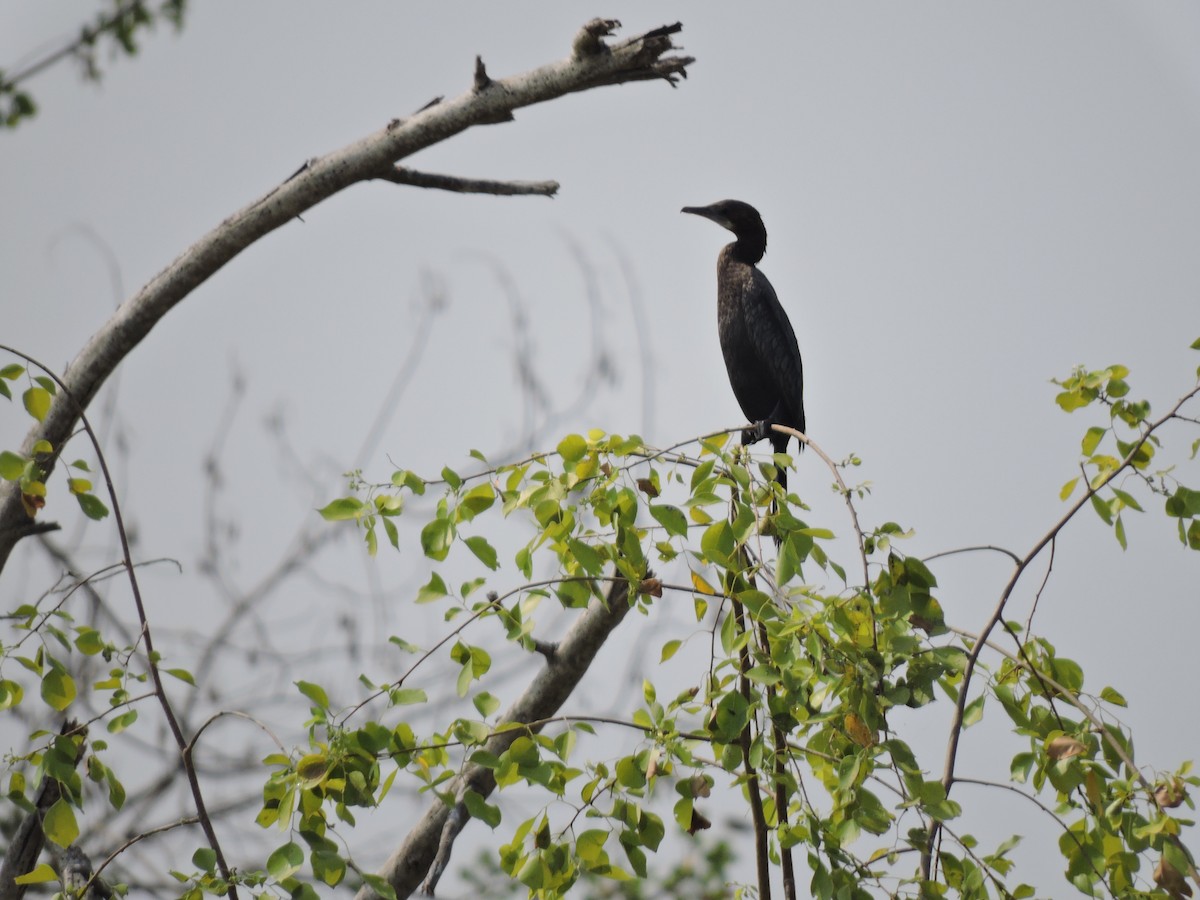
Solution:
(740, 218)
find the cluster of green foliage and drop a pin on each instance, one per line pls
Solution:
(800, 666)
(29, 471)
(116, 28)
(806, 664)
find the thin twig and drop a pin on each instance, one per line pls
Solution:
(1045, 580)
(974, 549)
(137, 838)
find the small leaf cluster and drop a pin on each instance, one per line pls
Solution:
(118, 28)
(1124, 446)
(1115, 816)
(29, 472)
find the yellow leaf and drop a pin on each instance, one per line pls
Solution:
(37, 402)
(858, 731)
(1064, 747)
(42, 873)
(701, 585)
(1092, 784)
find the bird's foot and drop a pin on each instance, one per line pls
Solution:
(757, 432)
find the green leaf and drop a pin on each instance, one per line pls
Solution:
(670, 518)
(434, 590)
(59, 823)
(116, 790)
(117, 724)
(285, 861)
(974, 711)
(436, 538)
(1075, 399)
(572, 448)
(328, 866)
(477, 499)
(669, 649)
(1184, 503)
(10, 694)
(481, 809)
(12, 465)
(1092, 439)
(37, 402)
(406, 696)
(205, 859)
(379, 885)
(93, 507)
(485, 703)
(763, 675)
(315, 693)
(183, 675)
(1113, 696)
(587, 556)
(58, 689)
(41, 873)
(717, 542)
(393, 535)
(730, 717)
(451, 478)
(485, 552)
(12, 371)
(312, 770)
(1102, 510)
(341, 509)
(1128, 499)
(47, 383)
(410, 480)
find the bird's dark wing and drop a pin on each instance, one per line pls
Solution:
(771, 333)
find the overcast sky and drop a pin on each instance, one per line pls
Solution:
(962, 201)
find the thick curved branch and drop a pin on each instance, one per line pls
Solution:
(545, 694)
(591, 64)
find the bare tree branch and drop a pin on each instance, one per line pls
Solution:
(592, 64)
(401, 175)
(545, 694)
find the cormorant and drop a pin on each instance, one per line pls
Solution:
(757, 340)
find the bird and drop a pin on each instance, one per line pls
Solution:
(762, 355)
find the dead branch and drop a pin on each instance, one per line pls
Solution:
(592, 64)
(413, 178)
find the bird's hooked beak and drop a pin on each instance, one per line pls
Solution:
(710, 213)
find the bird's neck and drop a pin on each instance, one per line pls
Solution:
(749, 248)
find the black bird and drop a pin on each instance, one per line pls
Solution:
(757, 340)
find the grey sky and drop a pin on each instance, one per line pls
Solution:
(962, 202)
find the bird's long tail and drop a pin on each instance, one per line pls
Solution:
(779, 446)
